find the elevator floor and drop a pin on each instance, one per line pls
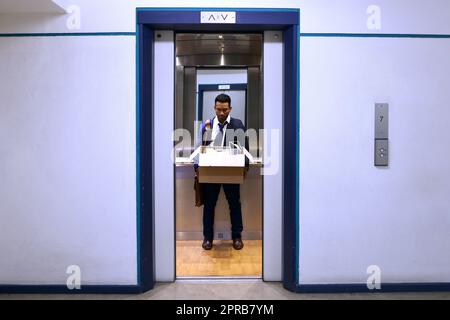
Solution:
(222, 260)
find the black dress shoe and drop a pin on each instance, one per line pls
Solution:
(238, 244)
(207, 244)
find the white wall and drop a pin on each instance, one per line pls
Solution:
(67, 144)
(397, 16)
(352, 214)
(30, 6)
(67, 154)
(348, 16)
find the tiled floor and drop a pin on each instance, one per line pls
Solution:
(217, 290)
(222, 260)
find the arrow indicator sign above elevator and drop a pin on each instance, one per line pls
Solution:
(218, 17)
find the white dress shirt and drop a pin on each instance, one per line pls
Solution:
(216, 130)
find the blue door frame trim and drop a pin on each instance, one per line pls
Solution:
(291, 158)
(374, 35)
(248, 20)
(68, 34)
(190, 17)
(145, 157)
(61, 289)
(302, 35)
(362, 288)
(215, 87)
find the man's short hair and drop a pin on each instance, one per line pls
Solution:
(224, 98)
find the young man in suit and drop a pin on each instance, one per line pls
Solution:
(214, 133)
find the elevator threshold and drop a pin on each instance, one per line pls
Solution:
(218, 279)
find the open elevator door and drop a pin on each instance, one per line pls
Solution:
(208, 65)
(165, 169)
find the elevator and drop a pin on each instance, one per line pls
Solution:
(158, 140)
(209, 64)
(184, 73)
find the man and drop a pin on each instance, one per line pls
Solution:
(217, 132)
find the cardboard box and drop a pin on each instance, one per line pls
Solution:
(221, 165)
(221, 175)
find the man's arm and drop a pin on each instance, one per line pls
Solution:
(246, 142)
(201, 141)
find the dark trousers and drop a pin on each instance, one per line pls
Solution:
(210, 194)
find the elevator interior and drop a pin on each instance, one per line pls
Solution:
(206, 65)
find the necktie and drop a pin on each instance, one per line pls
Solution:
(219, 137)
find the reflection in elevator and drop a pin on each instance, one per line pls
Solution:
(207, 65)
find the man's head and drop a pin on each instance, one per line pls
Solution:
(222, 106)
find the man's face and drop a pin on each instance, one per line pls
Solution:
(222, 109)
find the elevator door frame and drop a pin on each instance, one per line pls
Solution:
(188, 20)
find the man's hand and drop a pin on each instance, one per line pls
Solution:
(208, 124)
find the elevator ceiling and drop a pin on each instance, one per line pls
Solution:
(215, 49)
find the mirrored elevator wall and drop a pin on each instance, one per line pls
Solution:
(222, 60)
